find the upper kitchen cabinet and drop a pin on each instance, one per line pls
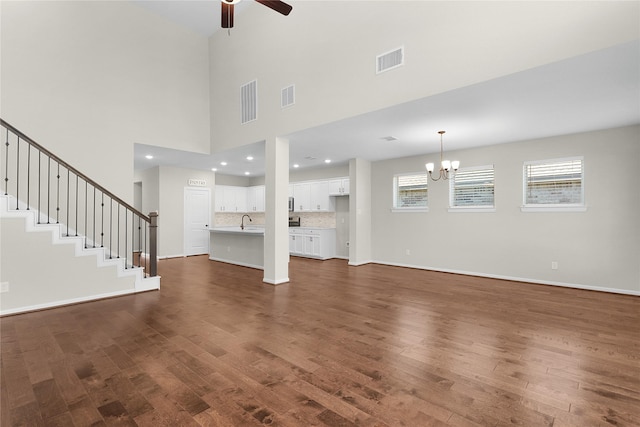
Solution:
(339, 187)
(312, 196)
(302, 196)
(231, 199)
(255, 198)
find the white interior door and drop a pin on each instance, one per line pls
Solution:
(197, 214)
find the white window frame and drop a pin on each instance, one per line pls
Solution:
(555, 207)
(479, 208)
(397, 208)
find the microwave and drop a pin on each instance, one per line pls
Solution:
(291, 205)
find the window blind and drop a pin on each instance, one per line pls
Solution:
(411, 191)
(472, 188)
(554, 182)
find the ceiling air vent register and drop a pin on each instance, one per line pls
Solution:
(249, 101)
(390, 60)
(288, 97)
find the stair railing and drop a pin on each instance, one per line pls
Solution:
(60, 194)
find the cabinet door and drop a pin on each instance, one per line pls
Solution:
(335, 187)
(219, 198)
(319, 199)
(345, 186)
(240, 199)
(302, 196)
(312, 245)
(299, 244)
(292, 243)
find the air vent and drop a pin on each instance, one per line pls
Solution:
(249, 101)
(390, 60)
(389, 138)
(288, 96)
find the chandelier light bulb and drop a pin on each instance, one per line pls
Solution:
(455, 164)
(446, 165)
(429, 167)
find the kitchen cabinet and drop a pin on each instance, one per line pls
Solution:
(312, 196)
(319, 197)
(255, 198)
(339, 187)
(302, 196)
(296, 242)
(313, 242)
(230, 199)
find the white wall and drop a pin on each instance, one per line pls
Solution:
(89, 79)
(172, 182)
(328, 49)
(599, 248)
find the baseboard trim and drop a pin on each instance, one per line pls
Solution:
(355, 264)
(515, 279)
(276, 282)
(242, 264)
(71, 301)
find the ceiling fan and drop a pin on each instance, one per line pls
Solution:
(227, 9)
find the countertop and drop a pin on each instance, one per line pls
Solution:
(252, 230)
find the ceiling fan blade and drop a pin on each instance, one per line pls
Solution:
(227, 15)
(277, 5)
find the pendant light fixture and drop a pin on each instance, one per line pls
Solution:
(447, 168)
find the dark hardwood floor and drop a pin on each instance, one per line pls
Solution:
(337, 346)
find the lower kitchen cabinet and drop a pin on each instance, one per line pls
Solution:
(313, 242)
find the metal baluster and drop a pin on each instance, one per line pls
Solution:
(139, 242)
(110, 227)
(86, 202)
(6, 168)
(39, 184)
(77, 205)
(68, 191)
(48, 189)
(18, 174)
(102, 220)
(28, 174)
(118, 215)
(94, 217)
(146, 267)
(58, 196)
(125, 238)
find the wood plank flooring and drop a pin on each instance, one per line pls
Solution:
(338, 346)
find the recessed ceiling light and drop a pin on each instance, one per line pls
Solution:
(389, 138)
(247, 173)
(249, 158)
(327, 161)
(214, 169)
(148, 156)
(223, 163)
(296, 165)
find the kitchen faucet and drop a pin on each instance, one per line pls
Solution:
(242, 221)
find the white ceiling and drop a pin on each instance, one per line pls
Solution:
(595, 91)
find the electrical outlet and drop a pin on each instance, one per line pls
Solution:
(554, 265)
(408, 251)
(228, 248)
(4, 287)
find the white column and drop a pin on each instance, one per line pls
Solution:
(276, 230)
(359, 212)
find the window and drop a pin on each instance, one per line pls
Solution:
(410, 192)
(472, 189)
(554, 185)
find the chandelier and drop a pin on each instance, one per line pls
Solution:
(446, 166)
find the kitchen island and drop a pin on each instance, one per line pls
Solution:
(237, 246)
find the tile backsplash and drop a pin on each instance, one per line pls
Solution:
(307, 219)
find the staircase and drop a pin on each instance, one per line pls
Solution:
(93, 246)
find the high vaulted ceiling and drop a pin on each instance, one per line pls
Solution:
(598, 90)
